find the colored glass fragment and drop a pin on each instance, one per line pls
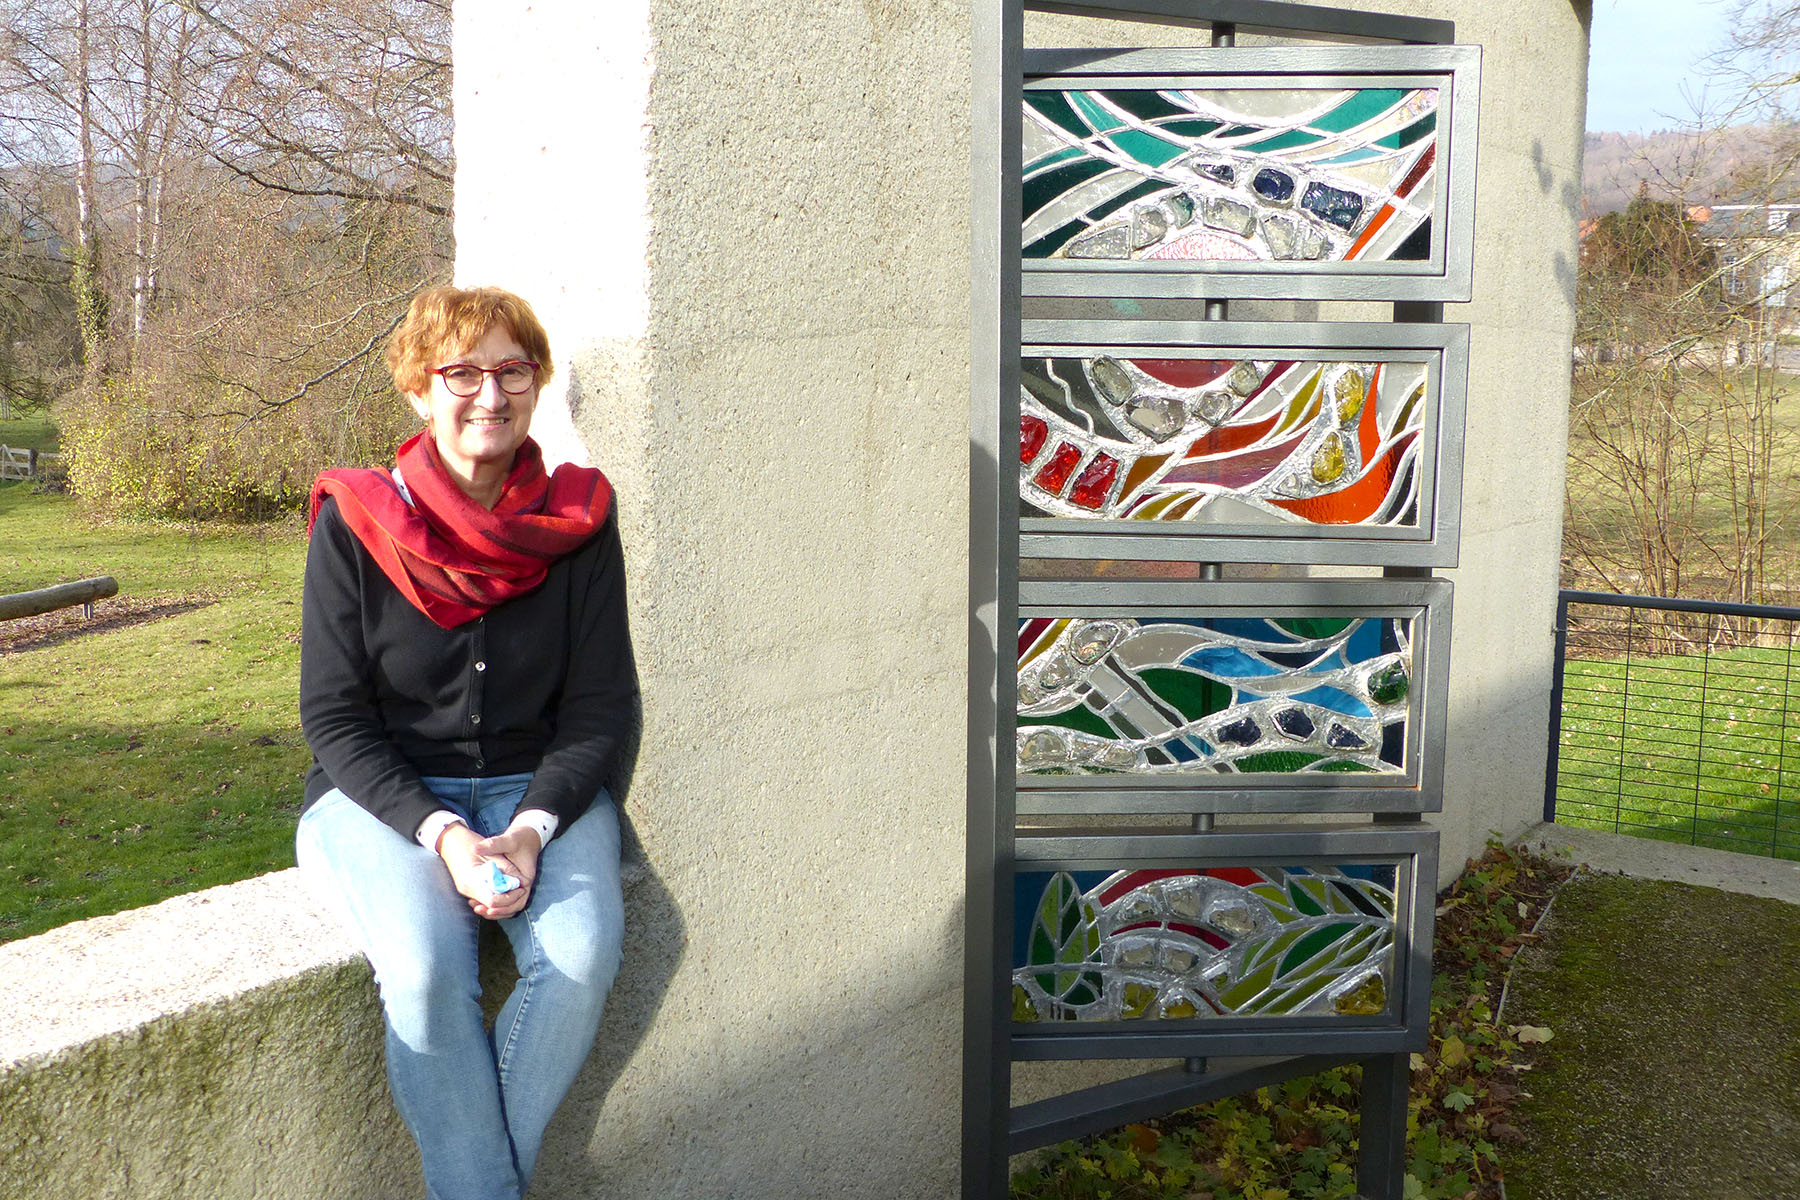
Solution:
(1348, 392)
(1032, 432)
(1242, 732)
(1062, 464)
(1335, 206)
(1230, 216)
(1161, 417)
(1340, 737)
(1095, 483)
(1219, 173)
(1274, 185)
(1111, 380)
(1294, 723)
(1328, 460)
(1389, 685)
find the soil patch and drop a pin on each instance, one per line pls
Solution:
(66, 624)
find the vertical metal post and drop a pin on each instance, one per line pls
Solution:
(998, 44)
(1624, 707)
(1553, 755)
(1381, 1159)
(1699, 736)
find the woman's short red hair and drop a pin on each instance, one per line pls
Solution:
(444, 321)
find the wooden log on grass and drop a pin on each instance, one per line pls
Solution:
(82, 591)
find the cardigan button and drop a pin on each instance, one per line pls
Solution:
(481, 666)
(475, 720)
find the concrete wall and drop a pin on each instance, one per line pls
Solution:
(747, 228)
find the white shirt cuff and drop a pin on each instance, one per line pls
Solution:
(432, 827)
(536, 818)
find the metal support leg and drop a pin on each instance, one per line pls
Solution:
(1381, 1161)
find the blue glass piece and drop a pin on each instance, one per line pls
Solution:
(1241, 732)
(1180, 751)
(1332, 699)
(1294, 722)
(1334, 206)
(1271, 184)
(1219, 172)
(1228, 662)
(1340, 738)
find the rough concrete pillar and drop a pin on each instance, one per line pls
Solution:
(746, 227)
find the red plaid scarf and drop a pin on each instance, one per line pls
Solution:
(452, 558)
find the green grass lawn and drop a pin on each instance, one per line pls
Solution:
(1701, 748)
(161, 757)
(30, 433)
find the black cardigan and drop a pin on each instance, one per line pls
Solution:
(543, 683)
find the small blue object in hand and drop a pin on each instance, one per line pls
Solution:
(499, 880)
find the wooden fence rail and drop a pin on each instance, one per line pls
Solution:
(83, 592)
(17, 462)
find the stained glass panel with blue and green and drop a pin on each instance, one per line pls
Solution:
(1242, 174)
(1163, 696)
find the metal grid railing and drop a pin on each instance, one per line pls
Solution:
(1677, 720)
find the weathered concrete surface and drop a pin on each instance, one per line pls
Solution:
(1643, 858)
(224, 1044)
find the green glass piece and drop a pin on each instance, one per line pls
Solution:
(1366, 999)
(1294, 999)
(1287, 139)
(1022, 1008)
(1363, 107)
(1085, 991)
(1192, 694)
(1137, 999)
(1312, 628)
(1041, 190)
(1099, 118)
(1275, 762)
(1189, 129)
(1149, 150)
(1412, 133)
(1347, 768)
(1146, 105)
(1305, 900)
(1237, 131)
(1275, 898)
(1356, 896)
(1312, 944)
(1080, 717)
(1055, 108)
(1388, 685)
(1248, 988)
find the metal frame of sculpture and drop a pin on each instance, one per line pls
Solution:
(1248, 954)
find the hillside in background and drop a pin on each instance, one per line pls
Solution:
(1717, 166)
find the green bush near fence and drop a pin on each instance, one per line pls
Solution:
(1701, 748)
(156, 757)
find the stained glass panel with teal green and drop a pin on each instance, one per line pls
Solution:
(1241, 174)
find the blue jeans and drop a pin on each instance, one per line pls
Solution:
(477, 1104)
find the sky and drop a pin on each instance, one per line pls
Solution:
(1642, 53)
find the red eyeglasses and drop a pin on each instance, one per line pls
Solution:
(515, 377)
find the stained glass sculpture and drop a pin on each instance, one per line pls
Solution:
(1178, 944)
(1205, 440)
(1247, 174)
(1190, 696)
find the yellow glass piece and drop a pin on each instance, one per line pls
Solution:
(1137, 999)
(1021, 1005)
(1328, 460)
(1349, 392)
(1180, 1009)
(1366, 999)
(1304, 404)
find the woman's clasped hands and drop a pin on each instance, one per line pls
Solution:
(468, 855)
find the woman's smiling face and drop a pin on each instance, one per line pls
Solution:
(478, 435)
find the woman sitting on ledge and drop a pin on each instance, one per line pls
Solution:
(466, 682)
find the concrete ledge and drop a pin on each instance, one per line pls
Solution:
(1643, 858)
(222, 1044)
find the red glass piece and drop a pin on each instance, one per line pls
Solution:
(1056, 472)
(1032, 432)
(1183, 372)
(1096, 482)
